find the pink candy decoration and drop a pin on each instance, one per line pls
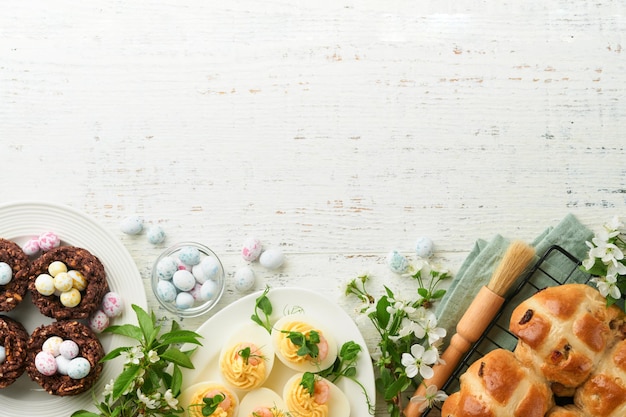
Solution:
(45, 363)
(112, 304)
(48, 240)
(98, 321)
(251, 249)
(31, 247)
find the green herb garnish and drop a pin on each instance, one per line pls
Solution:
(263, 306)
(307, 343)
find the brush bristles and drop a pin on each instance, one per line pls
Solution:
(515, 260)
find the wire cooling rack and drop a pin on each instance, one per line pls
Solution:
(555, 267)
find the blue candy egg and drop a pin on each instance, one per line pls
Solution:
(156, 235)
(183, 280)
(184, 300)
(78, 368)
(189, 255)
(6, 273)
(397, 262)
(424, 247)
(208, 291)
(166, 291)
(166, 267)
(132, 225)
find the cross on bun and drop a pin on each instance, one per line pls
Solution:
(498, 385)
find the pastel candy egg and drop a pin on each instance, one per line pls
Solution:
(189, 255)
(156, 234)
(78, 368)
(166, 267)
(183, 280)
(208, 290)
(3, 354)
(51, 345)
(424, 247)
(166, 291)
(62, 364)
(132, 225)
(6, 273)
(48, 240)
(184, 300)
(98, 321)
(112, 304)
(210, 267)
(244, 279)
(251, 249)
(31, 247)
(70, 298)
(272, 258)
(68, 349)
(78, 279)
(397, 262)
(63, 282)
(45, 363)
(44, 284)
(195, 291)
(56, 267)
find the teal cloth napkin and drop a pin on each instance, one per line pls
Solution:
(479, 265)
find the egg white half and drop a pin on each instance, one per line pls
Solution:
(308, 366)
(260, 397)
(185, 398)
(338, 404)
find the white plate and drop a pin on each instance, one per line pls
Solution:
(22, 220)
(219, 327)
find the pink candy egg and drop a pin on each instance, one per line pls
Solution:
(31, 247)
(251, 249)
(68, 349)
(98, 321)
(112, 304)
(45, 363)
(48, 240)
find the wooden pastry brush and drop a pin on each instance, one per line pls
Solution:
(476, 319)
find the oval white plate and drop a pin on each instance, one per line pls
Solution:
(218, 328)
(22, 220)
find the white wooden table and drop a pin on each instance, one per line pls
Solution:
(336, 130)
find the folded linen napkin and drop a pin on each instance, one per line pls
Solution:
(482, 260)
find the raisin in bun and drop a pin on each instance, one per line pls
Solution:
(604, 393)
(563, 332)
(498, 385)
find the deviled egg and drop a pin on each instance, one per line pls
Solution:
(262, 402)
(220, 400)
(247, 357)
(302, 344)
(310, 395)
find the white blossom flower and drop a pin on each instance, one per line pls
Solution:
(607, 286)
(615, 224)
(431, 397)
(410, 327)
(153, 357)
(397, 305)
(108, 388)
(418, 361)
(150, 402)
(134, 355)
(169, 399)
(607, 252)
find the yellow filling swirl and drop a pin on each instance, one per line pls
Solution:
(300, 403)
(241, 373)
(195, 409)
(286, 346)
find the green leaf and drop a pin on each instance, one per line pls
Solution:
(350, 372)
(399, 385)
(125, 380)
(179, 336)
(350, 351)
(438, 294)
(84, 413)
(177, 380)
(114, 353)
(174, 355)
(382, 315)
(308, 382)
(146, 324)
(423, 292)
(128, 330)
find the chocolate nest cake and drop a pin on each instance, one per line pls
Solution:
(14, 338)
(74, 258)
(12, 293)
(89, 348)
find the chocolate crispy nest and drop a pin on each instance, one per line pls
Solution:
(13, 293)
(89, 348)
(74, 258)
(14, 337)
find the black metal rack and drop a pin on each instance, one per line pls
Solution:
(497, 335)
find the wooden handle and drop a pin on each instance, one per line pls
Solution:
(469, 329)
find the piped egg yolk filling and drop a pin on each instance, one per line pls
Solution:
(289, 350)
(302, 404)
(225, 409)
(243, 373)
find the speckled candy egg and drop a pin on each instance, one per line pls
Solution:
(78, 368)
(131, 225)
(3, 354)
(272, 258)
(166, 291)
(397, 262)
(62, 364)
(183, 280)
(31, 247)
(45, 363)
(156, 234)
(189, 255)
(78, 279)
(209, 268)
(44, 284)
(208, 290)
(6, 273)
(48, 240)
(51, 345)
(251, 249)
(56, 267)
(68, 349)
(166, 267)
(70, 298)
(195, 291)
(98, 321)
(112, 304)
(63, 282)
(244, 279)
(424, 247)
(184, 300)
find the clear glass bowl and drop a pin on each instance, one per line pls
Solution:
(208, 272)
